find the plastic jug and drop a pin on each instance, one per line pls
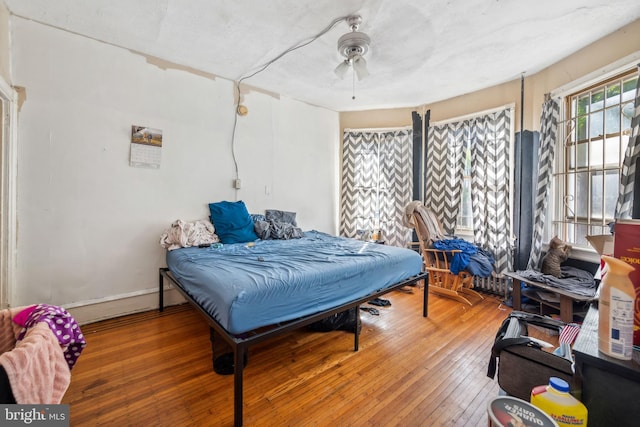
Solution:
(555, 400)
(507, 411)
(616, 310)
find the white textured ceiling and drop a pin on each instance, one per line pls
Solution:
(421, 51)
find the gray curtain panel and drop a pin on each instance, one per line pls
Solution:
(377, 180)
(546, 154)
(624, 206)
(444, 171)
(490, 137)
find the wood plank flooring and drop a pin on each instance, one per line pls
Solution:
(155, 369)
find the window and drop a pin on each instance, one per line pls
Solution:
(464, 221)
(465, 216)
(456, 148)
(589, 158)
(377, 180)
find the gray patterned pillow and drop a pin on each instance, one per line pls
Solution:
(281, 216)
(257, 217)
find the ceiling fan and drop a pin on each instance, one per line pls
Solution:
(353, 46)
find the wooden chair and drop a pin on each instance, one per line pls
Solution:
(437, 262)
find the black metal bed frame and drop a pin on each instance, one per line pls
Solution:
(241, 343)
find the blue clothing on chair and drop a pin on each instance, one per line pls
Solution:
(481, 263)
(473, 259)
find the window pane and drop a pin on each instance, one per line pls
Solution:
(571, 156)
(582, 128)
(612, 120)
(604, 191)
(596, 121)
(570, 200)
(612, 153)
(596, 195)
(571, 131)
(595, 153)
(583, 104)
(627, 115)
(613, 94)
(466, 214)
(571, 233)
(597, 100)
(582, 188)
(581, 232)
(611, 190)
(629, 89)
(583, 156)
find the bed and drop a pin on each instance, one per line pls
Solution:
(250, 292)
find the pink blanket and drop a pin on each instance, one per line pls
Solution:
(36, 367)
(9, 330)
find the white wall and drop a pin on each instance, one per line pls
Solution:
(4, 43)
(88, 223)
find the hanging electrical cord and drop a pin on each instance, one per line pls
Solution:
(264, 67)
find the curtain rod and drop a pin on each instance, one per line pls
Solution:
(378, 129)
(473, 115)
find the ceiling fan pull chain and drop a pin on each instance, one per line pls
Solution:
(353, 93)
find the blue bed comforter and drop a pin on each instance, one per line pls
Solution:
(245, 287)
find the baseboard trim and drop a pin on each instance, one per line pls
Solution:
(85, 312)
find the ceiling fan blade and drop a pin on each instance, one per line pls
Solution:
(360, 67)
(341, 69)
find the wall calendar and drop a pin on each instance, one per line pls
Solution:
(146, 147)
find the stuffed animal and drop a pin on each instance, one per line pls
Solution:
(558, 252)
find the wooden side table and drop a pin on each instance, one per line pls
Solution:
(565, 306)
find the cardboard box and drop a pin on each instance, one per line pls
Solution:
(603, 244)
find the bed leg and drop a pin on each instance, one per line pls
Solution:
(425, 303)
(356, 334)
(160, 291)
(237, 384)
(212, 339)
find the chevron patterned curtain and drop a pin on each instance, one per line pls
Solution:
(444, 171)
(624, 206)
(490, 171)
(377, 182)
(546, 153)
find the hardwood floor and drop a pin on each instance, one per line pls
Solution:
(155, 369)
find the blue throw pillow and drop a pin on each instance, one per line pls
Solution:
(232, 222)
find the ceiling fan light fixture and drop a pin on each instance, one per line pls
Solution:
(342, 68)
(360, 67)
(353, 46)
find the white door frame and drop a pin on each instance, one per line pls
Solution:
(8, 191)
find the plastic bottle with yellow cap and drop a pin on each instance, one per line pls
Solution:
(616, 310)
